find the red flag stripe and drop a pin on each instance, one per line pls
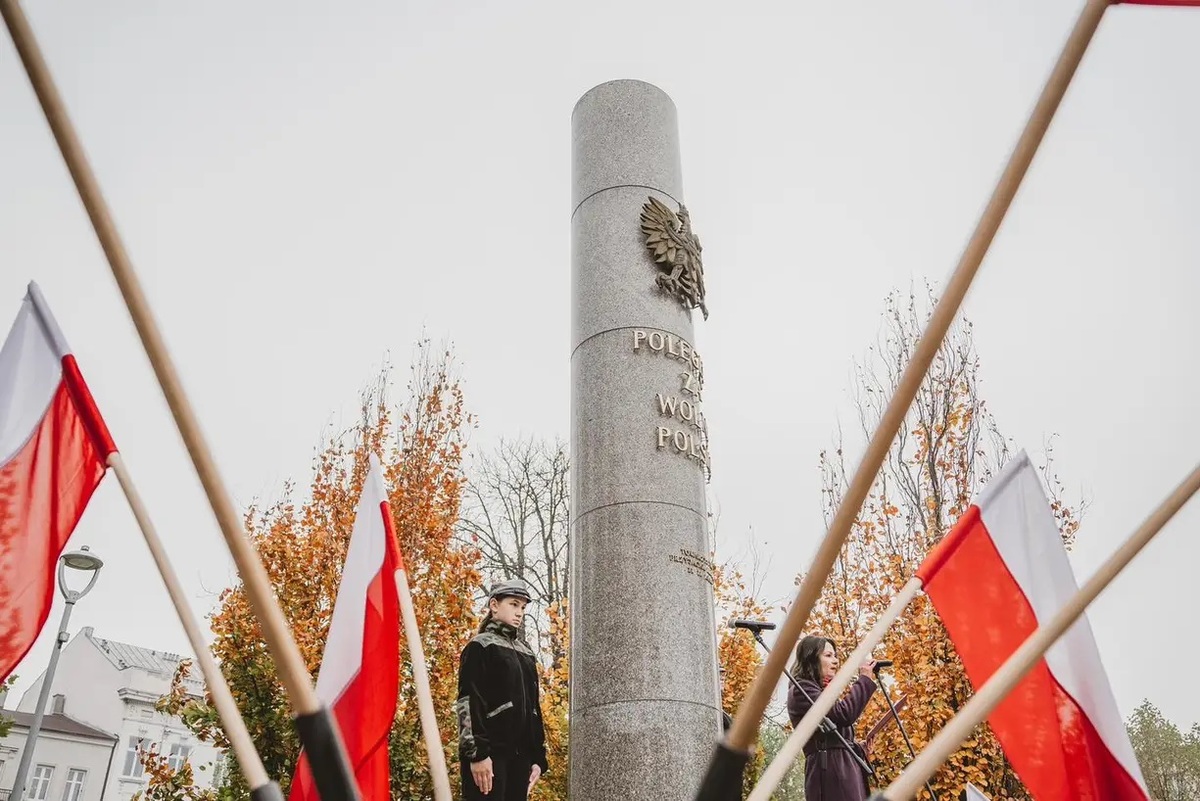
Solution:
(392, 539)
(44, 489)
(85, 406)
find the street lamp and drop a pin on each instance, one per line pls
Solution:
(84, 561)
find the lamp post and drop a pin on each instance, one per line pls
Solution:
(85, 561)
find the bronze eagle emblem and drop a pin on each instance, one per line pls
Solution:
(676, 252)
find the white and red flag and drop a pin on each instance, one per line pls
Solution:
(995, 577)
(360, 667)
(53, 451)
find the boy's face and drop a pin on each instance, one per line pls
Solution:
(510, 610)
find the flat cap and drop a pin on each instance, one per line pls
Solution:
(512, 587)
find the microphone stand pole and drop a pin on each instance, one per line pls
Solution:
(903, 733)
(827, 725)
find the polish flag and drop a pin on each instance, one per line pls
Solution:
(360, 668)
(53, 451)
(995, 577)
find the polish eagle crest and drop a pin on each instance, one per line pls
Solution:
(676, 252)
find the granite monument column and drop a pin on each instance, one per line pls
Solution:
(645, 708)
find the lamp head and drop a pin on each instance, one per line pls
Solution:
(85, 562)
(82, 559)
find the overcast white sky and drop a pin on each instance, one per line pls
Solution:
(303, 186)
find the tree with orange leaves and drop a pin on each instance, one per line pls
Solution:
(946, 450)
(555, 681)
(302, 543)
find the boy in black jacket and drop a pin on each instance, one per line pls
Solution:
(501, 741)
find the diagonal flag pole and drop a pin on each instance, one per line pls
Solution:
(318, 731)
(262, 788)
(995, 689)
(723, 779)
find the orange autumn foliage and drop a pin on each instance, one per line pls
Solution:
(555, 684)
(165, 783)
(302, 544)
(947, 449)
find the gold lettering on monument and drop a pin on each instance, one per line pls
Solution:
(688, 436)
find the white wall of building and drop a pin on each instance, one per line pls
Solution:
(81, 761)
(88, 680)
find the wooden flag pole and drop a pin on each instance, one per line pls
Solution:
(231, 720)
(724, 772)
(1024, 658)
(429, 727)
(317, 729)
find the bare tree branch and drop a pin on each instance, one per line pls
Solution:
(515, 510)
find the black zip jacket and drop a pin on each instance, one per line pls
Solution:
(498, 709)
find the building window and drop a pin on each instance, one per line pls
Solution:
(74, 788)
(39, 785)
(179, 756)
(133, 765)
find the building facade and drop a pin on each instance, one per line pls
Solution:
(71, 762)
(113, 687)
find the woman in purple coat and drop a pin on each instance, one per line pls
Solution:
(830, 771)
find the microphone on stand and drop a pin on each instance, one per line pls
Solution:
(751, 625)
(880, 664)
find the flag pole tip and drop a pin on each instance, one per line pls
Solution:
(268, 792)
(321, 740)
(723, 780)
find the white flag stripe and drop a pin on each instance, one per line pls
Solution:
(49, 325)
(30, 375)
(342, 659)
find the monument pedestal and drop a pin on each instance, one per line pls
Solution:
(645, 691)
